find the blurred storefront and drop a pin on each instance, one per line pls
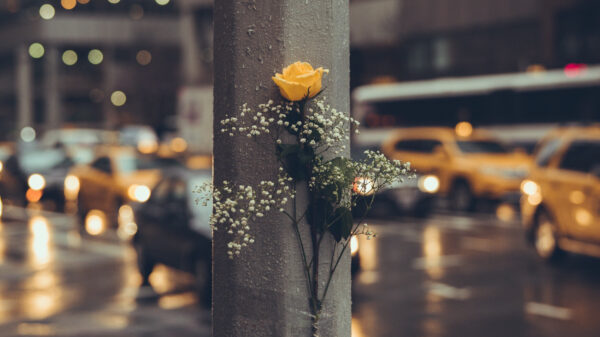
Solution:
(430, 38)
(100, 63)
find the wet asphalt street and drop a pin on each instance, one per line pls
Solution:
(56, 282)
(449, 275)
(469, 276)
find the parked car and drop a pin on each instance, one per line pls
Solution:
(34, 174)
(174, 230)
(468, 167)
(560, 207)
(116, 176)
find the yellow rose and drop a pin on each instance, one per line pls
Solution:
(299, 81)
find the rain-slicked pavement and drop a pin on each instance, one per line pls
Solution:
(450, 275)
(469, 276)
(56, 282)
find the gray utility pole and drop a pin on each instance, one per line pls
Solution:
(52, 93)
(262, 292)
(24, 79)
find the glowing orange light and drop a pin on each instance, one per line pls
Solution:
(68, 4)
(464, 129)
(178, 144)
(33, 195)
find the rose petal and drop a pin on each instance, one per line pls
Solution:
(296, 69)
(293, 91)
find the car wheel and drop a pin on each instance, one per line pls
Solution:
(545, 239)
(461, 197)
(145, 263)
(203, 278)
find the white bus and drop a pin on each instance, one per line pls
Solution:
(518, 107)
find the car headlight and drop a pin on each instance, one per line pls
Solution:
(139, 193)
(529, 187)
(36, 182)
(429, 183)
(71, 186)
(363, 186)
(353, 245)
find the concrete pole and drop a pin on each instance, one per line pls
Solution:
(24, 88)
(52, 103)
(263, 291)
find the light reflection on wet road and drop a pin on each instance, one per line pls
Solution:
(449, 275)
(54, 282)
(469, 276)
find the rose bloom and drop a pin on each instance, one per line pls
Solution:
(299, 81)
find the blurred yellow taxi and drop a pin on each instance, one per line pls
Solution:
(116, 176)
(560, 206)
(463, 164)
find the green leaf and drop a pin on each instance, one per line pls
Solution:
(319, 212)
(341, 223)
(297, 160)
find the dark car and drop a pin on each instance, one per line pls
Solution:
(34, 175)
(174, 230)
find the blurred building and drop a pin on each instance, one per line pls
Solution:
(99, 62)
(417, 39)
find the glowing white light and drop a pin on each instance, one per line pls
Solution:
(36, 182)
(47, 11)
(28, 134)
(529, 187)
(36, 50)
(140, 193)
(353, 245)
(429, 184)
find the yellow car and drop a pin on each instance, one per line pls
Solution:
(116, 176)
(468, 165)
(560, 207)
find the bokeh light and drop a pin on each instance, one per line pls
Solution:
(95, 56)
(118, 98)
(464, 129)
(27, 134)
(68, 4)
(83, 2)
(47, 11)
(36, 50)
(178, 144)
(69, 57)
(162, 2)
(114, 1)
(143, 57)
(95, 222)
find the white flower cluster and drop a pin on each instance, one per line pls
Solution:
(254, 123)
(322, 127)
(380, 171)
(235, 208)
(331, 126)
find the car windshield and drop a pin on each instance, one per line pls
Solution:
(128, 163)
(480, 146)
